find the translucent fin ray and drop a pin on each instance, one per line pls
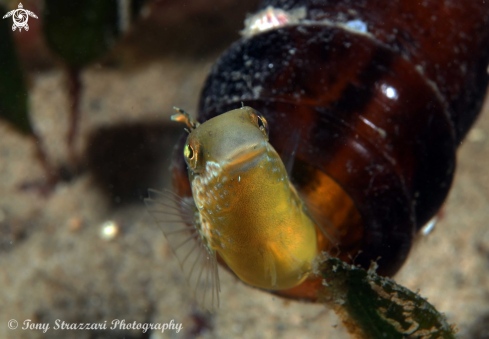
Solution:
(324, 224)
(289, 150)
(270, 268)
(197, 261)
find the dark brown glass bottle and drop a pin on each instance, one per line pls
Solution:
(380, 93)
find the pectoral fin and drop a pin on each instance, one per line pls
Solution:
(177, 219)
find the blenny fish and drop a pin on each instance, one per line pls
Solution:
(244, 209)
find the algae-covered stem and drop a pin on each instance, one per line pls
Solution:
(374, 307)
(74, 91)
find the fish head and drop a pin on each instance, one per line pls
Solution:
(229, 141)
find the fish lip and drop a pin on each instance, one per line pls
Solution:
(247, 157)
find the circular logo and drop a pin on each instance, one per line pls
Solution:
(20, 17)
(12, 324)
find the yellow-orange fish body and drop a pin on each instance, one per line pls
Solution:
(249, 211)
(244, 208)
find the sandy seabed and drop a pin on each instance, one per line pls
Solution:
(56, 263)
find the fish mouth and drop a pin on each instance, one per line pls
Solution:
(247, 157)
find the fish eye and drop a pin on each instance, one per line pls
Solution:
(191, 155)
(189, 152)
(263, 125)
(259, 121)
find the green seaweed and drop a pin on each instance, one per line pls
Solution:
(372, 306)
(13, 91)
(80, 31)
